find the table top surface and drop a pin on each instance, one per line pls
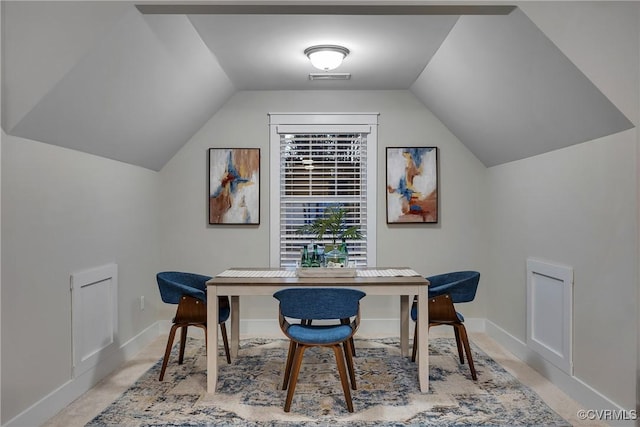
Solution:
(263, 276)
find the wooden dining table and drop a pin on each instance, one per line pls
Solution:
(391, 281)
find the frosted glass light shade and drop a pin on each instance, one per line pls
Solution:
(326, 57)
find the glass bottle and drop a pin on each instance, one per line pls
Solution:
(315, 257)
(345, 251)
(320, 252)
(305, 257)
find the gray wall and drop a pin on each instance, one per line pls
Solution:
(578, 206)
(65, 211)
(455, 243)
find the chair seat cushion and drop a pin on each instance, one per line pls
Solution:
(319, 334)
(414, 314)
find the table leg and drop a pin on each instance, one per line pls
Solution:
(235, 325)
(423, 339)
(404, 325)
(212, 339)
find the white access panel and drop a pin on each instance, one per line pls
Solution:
(94, 296)
(550, 312)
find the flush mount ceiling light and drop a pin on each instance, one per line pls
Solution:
(326, 57)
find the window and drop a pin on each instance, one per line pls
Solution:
(321, 160)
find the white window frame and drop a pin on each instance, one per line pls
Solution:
(288, 123)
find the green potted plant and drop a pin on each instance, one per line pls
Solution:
(332, 223)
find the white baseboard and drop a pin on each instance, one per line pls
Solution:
(573, 386)
(51, 404)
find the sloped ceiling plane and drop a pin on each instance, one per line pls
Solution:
(135, 82)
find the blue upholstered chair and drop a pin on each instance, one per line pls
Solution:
(444, 291)
(189, 291)
(310, 304)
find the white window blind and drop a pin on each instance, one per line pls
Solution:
(317, 161)
(320, 170)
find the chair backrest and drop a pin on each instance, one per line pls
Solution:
(319, 303)
(174, 284)
(461, 285)
(441, 309)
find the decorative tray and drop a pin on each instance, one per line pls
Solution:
(326, 272)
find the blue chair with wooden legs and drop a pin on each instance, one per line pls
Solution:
(310, 304)
(445, 290)
(189, 291)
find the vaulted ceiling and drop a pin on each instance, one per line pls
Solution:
(135, 82)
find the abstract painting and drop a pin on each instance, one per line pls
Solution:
(412, 184)
(234, 186)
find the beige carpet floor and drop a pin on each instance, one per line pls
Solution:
(86, 407)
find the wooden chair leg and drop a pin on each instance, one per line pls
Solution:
(167, 351)
(287, 368)
(297, 361)
(351, 342)
(225, 340)
(183, 341)
(465, 342)
(415, 344)
(459, 344)
(349, 356)
(343, 375)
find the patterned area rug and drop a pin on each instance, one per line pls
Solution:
(249, 391)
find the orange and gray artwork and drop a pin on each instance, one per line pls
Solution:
(234, 186)
(412, 184)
